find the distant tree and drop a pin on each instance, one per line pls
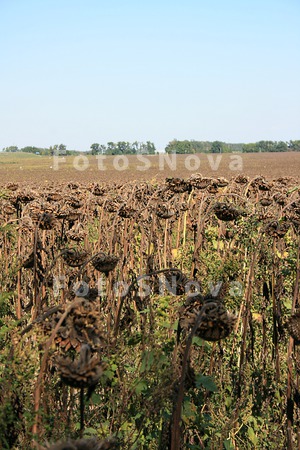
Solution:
(176, 146)
(294, 145)
(135, 147)
(11, 149)
(127, 148)
(111, 148)
(200, 146)
(62, 149)
(102, 149)
(266, 146)
(281, 146)
(151, 149)
(147, 148)
(95, 149)
(123, 148)
(234, 147)
(250, 148)
(172, 146)
(217, 147)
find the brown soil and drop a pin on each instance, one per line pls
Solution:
(34, 169)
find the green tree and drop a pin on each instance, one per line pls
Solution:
(294, 145)
(111, 148)
(200, 146)
(147, 149)
(176, 146)
(266, 146)
(95, 149)
(62, 149)
(217, 147)
(250, 148)
(123, 148)
(151, 149)
(11, 149)
(281, 146)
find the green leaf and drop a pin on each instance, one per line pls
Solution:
(96, 399)
(207, 382)
(140, 387)
(165, 324)
(252, 436)
(288, 303)
(175, 325)
(228, 444)
(90, 432)
(147, 360)
(200, 342)
(109, 374)
(228, 401)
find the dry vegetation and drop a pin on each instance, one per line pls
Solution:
(150, 314)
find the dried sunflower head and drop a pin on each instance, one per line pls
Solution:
(216, 322)
(277, 229)
(177, 185)
(74, 258)
(105, 263)
(293, 326)
(241, 179)
(82, 325)
(226, 212)
(164, 211)
(126, 211)
(84, 372)
(176, 281)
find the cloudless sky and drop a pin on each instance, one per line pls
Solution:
(83, 71)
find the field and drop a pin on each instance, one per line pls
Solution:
(30, 168)
(150, 309)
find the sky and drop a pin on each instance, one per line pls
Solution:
(78, 72)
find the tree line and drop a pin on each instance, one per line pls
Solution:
(174, 146)
(111, 148)
(186, 146)
(52, 150)
(123, 148)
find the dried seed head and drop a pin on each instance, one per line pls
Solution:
(82, 373)
(277, 229)
(177, 281)
(216, 322)
(222, 182)
(293, 327)
(199, 182)
(82, 325)
(164, 211)
(177, 185)
(241, 179)
(105, 263)
(126, 211)
(226, 212)
(74, 258)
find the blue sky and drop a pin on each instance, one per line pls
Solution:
(83, 71)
